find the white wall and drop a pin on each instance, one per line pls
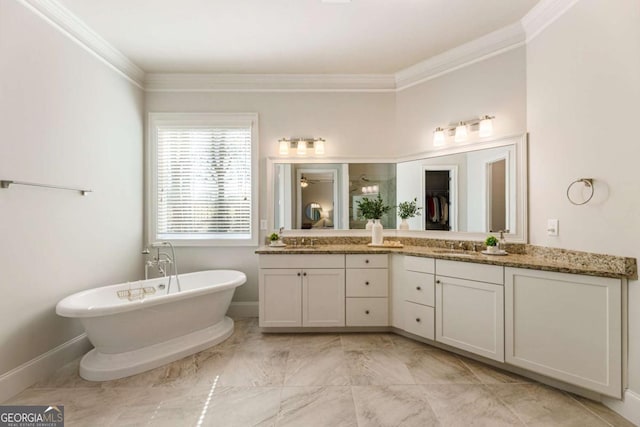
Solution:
(66, 119)
(583, 92)
(495, 86)
(354, 125)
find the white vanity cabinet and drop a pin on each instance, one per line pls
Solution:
(301, 290)
(566, 326)
(367, 290)
(470, 307)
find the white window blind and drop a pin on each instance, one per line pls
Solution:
(203, 182)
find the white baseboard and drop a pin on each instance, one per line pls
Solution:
(628, 407)
(29, 373)
(243, 309)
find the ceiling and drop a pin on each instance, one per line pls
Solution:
(291, 36)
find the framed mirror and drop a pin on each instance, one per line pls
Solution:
(464, 192)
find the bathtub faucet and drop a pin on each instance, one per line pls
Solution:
(162, 261)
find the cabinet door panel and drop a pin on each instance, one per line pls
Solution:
(280, 297)
(470, 316)
(323, 297)
(565, 326)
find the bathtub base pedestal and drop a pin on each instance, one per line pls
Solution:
(96, 366)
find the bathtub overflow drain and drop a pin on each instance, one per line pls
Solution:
(161, 286)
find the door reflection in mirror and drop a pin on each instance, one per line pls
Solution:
(472, 191)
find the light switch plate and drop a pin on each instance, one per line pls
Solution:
(263, 224)
(552, 227)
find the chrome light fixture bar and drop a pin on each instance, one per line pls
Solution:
(460, 132)
(302, 146)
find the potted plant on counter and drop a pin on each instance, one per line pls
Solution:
(274, 238)
(408, 210)
(374, 209)
(492, 244)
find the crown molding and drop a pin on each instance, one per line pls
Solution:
(492, 44)
(160, 82)
(544, 14)
(495, 43)
(70, 25)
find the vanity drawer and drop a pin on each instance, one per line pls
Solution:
(419, 320)
(363, 282)
(367, 311)
(471, 271)
(367, 261)
(420, 288)
(424, 265)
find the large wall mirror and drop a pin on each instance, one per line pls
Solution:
(464, 192)
(324, 196)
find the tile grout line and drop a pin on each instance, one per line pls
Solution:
(587, 408)
(275, 422)
(506, 405)
(469, 368)
(486, 387)
(355, 407)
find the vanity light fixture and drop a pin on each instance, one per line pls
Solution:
(460, 132)
(485, 126)
(284, 147)
(438, 137)
(318, 147)
(301, 149)
(302, 146)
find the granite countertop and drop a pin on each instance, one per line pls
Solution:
(537, 258)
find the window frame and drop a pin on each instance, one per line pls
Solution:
(156, 120)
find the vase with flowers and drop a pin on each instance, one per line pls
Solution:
(374, 209)
(408, 210)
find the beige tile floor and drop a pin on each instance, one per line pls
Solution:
(255, 379)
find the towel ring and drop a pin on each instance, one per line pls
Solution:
(588, 182)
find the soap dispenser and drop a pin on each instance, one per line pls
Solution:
(502, 243)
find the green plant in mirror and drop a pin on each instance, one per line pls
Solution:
(372, 208)
(491, 241)
(409, 209)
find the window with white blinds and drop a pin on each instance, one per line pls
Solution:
(203, 179)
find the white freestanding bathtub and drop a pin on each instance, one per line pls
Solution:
(138, 326)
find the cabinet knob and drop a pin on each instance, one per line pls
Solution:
(304, 274)
(418, 288)
(366, 312)
(298, 274)
(366, 283)
(437, 281)
(366, 261)
(418, 319)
